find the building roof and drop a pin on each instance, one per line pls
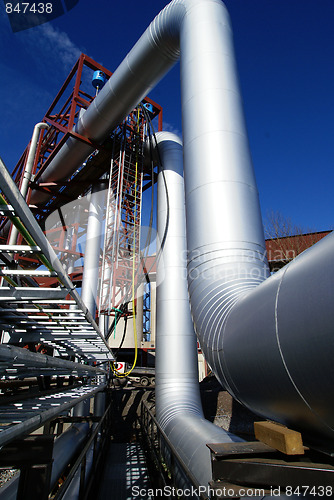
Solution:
(281, 250)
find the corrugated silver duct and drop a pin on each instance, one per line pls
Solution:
(265, 343)
(224, 226)
(178, 404)
(285, 370)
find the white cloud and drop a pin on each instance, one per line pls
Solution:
(65, 50)
(168, 127)
(34, 64)
(50, 48)
(45, 44)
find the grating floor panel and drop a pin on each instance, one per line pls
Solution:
(125, 473)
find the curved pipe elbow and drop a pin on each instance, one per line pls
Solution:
(178, 402)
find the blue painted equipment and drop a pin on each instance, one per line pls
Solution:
(149, 107)
(99, 79)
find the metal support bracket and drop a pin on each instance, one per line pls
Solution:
(254, 464)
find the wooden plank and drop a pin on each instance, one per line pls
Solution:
(279, 437)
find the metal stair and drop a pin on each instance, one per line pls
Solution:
(52, 315)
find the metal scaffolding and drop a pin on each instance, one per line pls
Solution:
(121, 253)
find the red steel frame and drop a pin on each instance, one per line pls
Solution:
(61, 117)
(62, 120)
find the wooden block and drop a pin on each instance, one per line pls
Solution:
(279, 437)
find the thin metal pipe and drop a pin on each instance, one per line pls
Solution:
(31, 157)
(12, 354)
(27, 172)
(72, 226)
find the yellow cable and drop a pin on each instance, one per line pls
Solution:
(133, 269)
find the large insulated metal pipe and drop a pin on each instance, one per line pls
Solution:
(90, 276)
(276, 346)
(178, 403)
(265, 342)
(141, 70)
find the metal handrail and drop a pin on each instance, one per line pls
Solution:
(102, 426)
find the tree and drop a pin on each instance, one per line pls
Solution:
(285, 240)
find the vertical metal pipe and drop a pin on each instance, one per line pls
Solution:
(82, 409)
(227, 253)
(71, 226)
(90, 277)
(139, 314)
(31, 157)
(176, 372)
(99, 404)
(27, 172)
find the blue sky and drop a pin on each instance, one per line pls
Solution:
(285, 56)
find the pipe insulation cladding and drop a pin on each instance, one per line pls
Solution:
(268, 340)
(178, 402)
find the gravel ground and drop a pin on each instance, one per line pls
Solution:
(221, 409)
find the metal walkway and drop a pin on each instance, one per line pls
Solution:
(125, 473)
